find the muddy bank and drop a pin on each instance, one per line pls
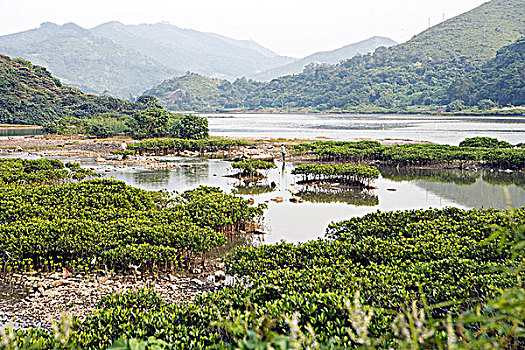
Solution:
(71, 146)
(31, 300)
(47, 146)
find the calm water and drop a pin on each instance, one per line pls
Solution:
(439, 129)
(18, 132)
(397, 189)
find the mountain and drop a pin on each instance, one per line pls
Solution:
(429, 71)
(328, 57)
(89, 62)
(29, 94)
(191, 50)
(124, 60)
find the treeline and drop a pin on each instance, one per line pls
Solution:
(143, 124)
(31, 95)
(378, 82)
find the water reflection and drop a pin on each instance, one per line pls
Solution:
(355, 197)
(457, 177)
(252, 189)
(17, 132)
(472, 189)
(159, 177)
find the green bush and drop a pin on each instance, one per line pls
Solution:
(190, 127)
(484, 142)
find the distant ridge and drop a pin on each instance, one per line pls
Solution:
(328, 57)
(125, 60)
(436, 68)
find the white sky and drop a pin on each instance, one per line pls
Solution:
(288, 27)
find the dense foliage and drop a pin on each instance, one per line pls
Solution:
(24, 172)
(484, 142)
(499, 81)
(31, 95)
(190, 127)
(347, 173)
(250, 166)
(416, 154)
(148, 123)
(104, 223)
(398, 267)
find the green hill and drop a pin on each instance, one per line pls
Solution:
(29, 94)
(425, 72)
(194, 92)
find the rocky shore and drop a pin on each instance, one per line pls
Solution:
(36, 300)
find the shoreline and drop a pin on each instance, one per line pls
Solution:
(372, 113)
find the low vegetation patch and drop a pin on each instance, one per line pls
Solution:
(105, 224)
(345, 173)
(251, 167)
(472, 151)
(368, 285)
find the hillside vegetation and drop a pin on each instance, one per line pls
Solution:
(427, 72)
(31, 95)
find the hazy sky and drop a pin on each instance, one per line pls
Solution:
(288, 27)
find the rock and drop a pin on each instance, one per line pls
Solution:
(197, 282)
(219, 276)
(172, 278)
(391, 189)
(294, 200)
(278, 199)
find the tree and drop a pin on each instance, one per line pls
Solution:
(486, 104)
(149, 123)
(455, 106)
(190, 127)
(148, 101)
